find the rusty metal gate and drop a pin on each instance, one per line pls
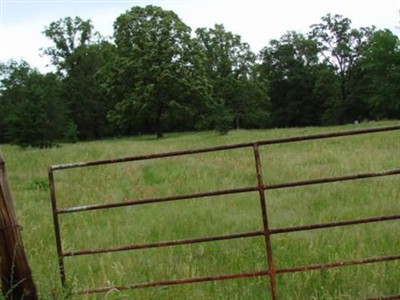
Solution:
(272, 271)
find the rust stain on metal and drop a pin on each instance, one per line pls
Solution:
(264, 215)
(165, 243)
(227, 191)
(334, 224)
(225, 147)
(271, 270)
(338, 264)
(175, 282)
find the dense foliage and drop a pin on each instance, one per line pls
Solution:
(33, 110)
(156, 75)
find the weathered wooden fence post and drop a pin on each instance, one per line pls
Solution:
(16, 279)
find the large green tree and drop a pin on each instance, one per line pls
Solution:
(68, 34)
(78, 54)
(291, 67)
(82, 88)
(341, 46)
(158, 73)
(237, 94)
(380, 67)
(34, 111)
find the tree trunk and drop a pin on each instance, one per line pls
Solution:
(159, 125)
(160, 134)
(237, 122)
(16, 279)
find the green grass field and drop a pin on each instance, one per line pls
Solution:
(27, 174)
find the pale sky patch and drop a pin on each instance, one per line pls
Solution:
(256, 21)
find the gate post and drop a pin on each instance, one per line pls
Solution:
(16, 279)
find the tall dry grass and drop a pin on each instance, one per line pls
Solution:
(214, 215)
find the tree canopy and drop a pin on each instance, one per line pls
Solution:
(34, 111)
(238, 97)
(154, 75)
(164, 87)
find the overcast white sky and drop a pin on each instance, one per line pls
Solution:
(256, 21)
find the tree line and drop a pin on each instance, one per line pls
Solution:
(154, 75)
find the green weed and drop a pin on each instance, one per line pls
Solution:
(201, 217)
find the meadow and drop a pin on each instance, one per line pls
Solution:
(27, 174)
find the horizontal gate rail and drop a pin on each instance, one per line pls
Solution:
(260, 188)
(224, 147)
(339, 264)
(227, 192)
(176, 282)
(232, 236)
(166, 243)
(247, 275)
(335, 224)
